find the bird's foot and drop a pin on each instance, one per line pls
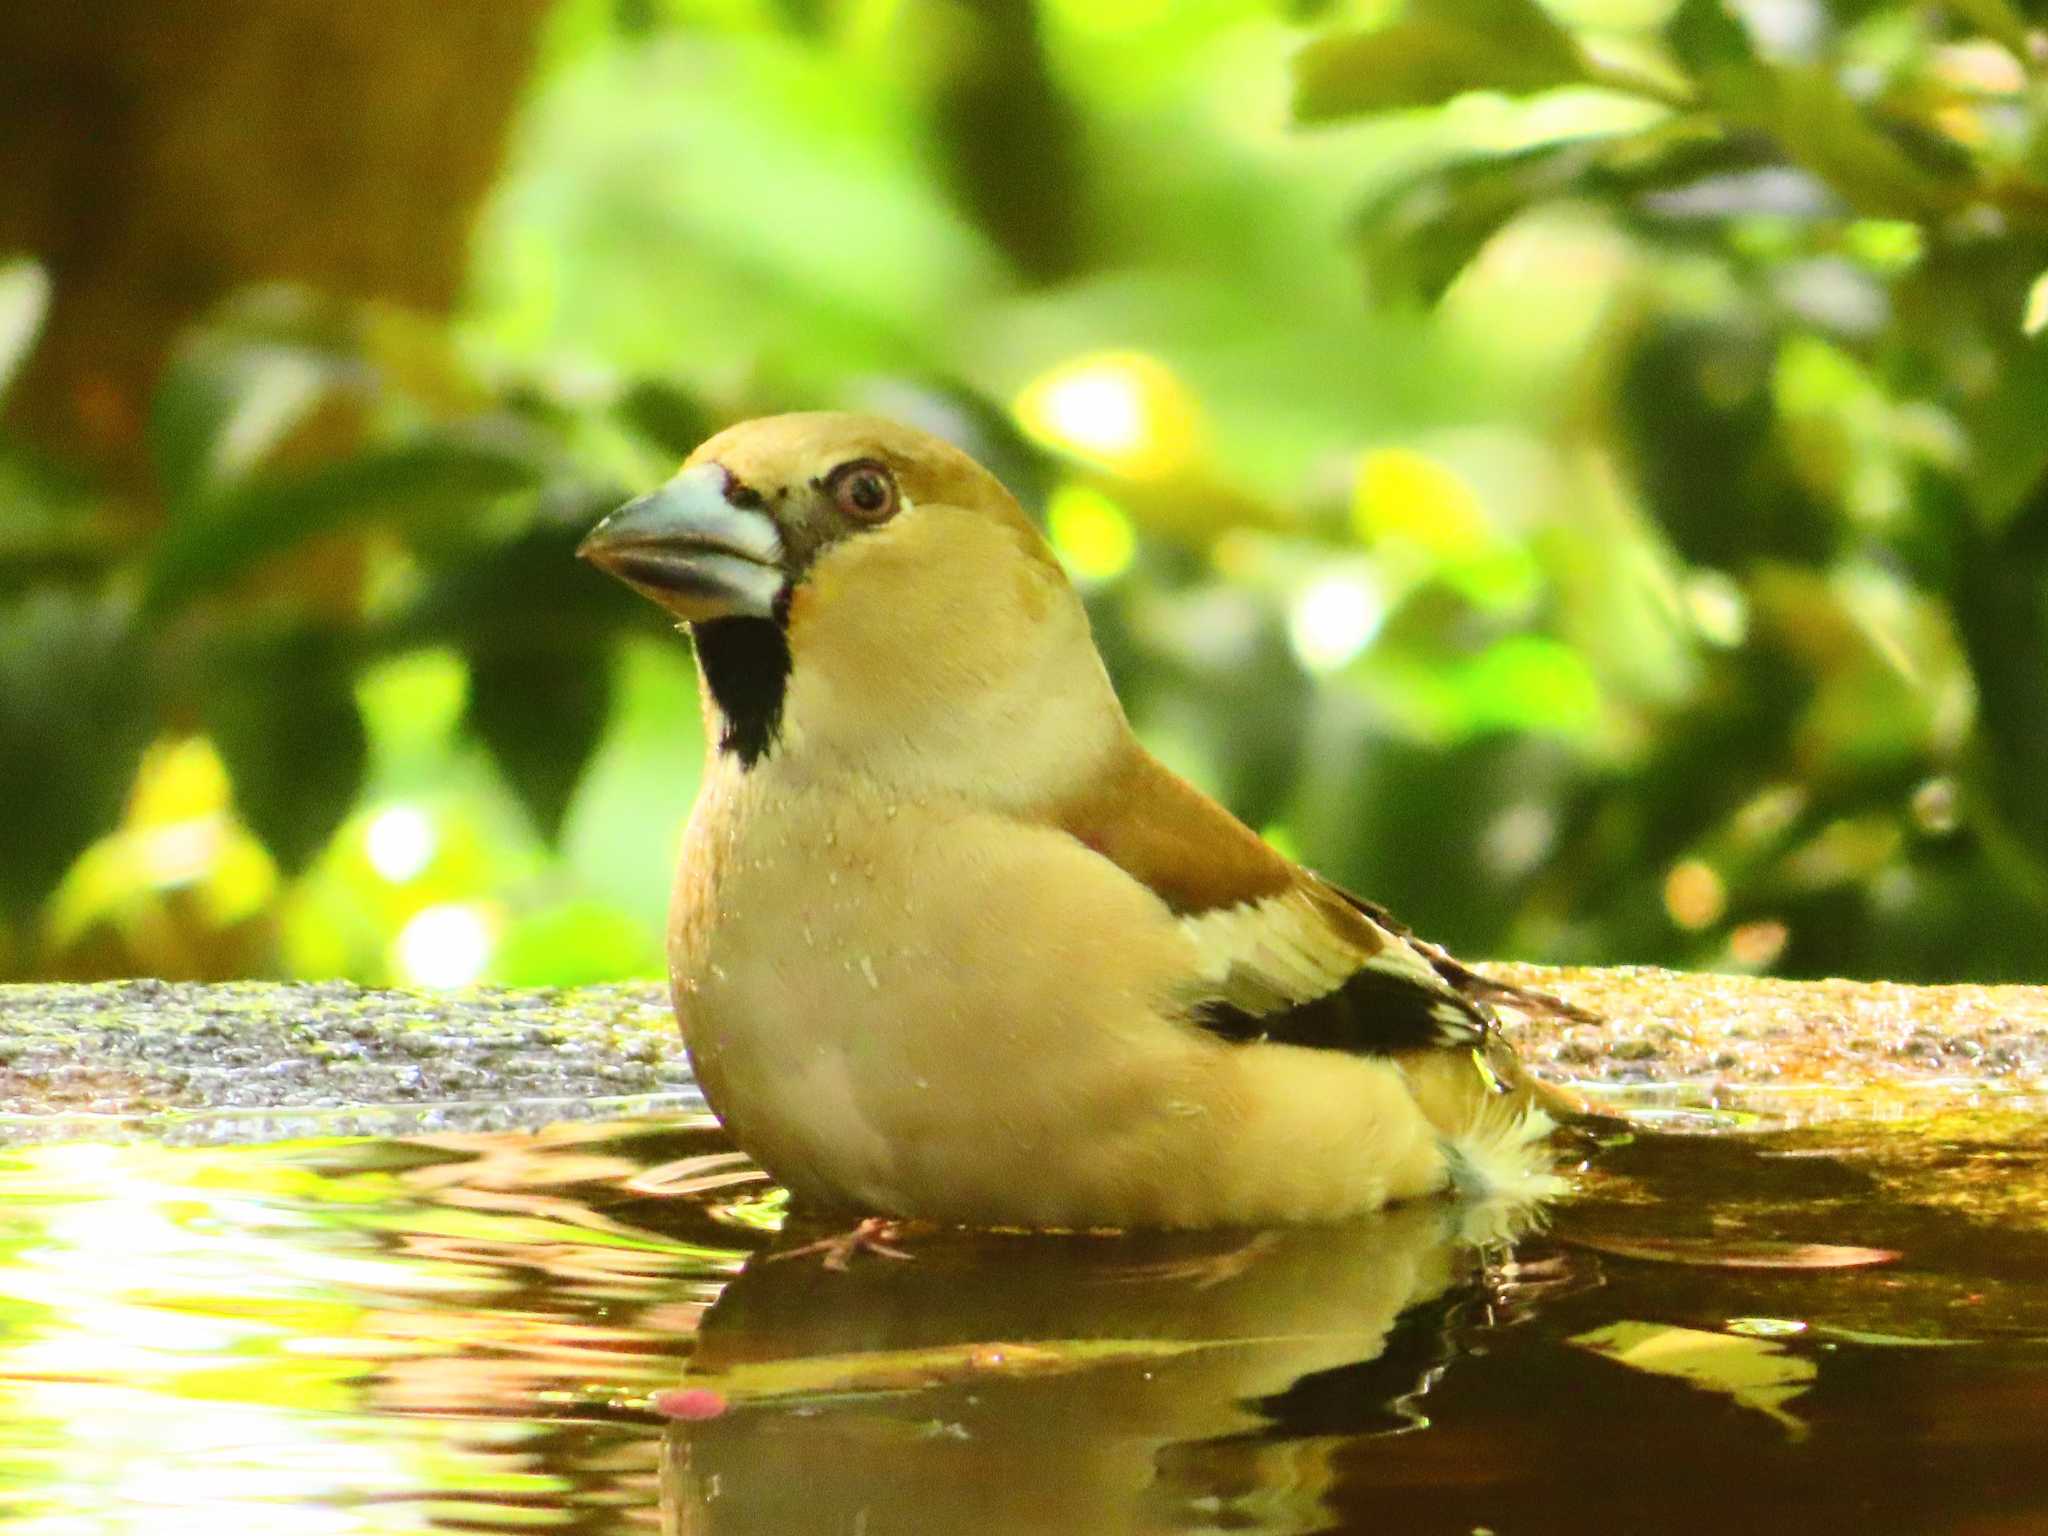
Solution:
(874, 1234)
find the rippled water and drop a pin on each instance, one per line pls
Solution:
(496, 1333)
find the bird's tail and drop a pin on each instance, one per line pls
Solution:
(1491, 1122)
(1502, 1167)
(1504, 1154)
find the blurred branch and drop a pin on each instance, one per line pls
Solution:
(158, 157)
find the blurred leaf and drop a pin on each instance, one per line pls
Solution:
(225, 402)
(448, 474)
(1705, 36)
(281, 710)
(24, 300)
(537, 627)
(636, 18)
(1386, 817)
(1829, 133)
(580, 943)
(75, 713)
(1441, 49)
(1420, 236)
(2000, 598)
(1010, 139)
(2010, 450)
(2002, 21)
(1961, 311)
(667, 415)
(1889, 168)
(1806, 110)
(2034, 315)
(53, 525)
(1695, 404)
(541, 710)
(1527, 683)
(805, 17)
(512, 594)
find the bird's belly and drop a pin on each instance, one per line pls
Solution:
(928, 1024)
(779, 1062)
(886, 1031)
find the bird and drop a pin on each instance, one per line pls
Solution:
(948, 944)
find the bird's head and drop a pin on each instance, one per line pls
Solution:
(861, 590)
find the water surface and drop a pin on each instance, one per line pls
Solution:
(495, 1332)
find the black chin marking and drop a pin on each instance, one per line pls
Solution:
(746, 667)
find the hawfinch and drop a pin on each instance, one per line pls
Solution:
(947, 943)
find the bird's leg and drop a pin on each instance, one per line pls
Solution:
(873, 1234)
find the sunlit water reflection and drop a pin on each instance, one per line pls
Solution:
(482, 1333)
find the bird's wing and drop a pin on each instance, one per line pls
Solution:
(1466, 980)
(1305, 968)
(1282, 955)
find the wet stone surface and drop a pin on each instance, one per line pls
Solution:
(1787, 1051)
(254, 1061)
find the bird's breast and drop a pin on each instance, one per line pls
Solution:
(882, 997)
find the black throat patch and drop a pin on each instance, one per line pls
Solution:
(746, 666)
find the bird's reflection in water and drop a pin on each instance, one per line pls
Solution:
(1065, 1384)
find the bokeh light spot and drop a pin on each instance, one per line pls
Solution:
(1124, 410)
(1091, 533)
(1717, 607)
(444, 946)
(24, 300)
(1333, 619)
(2034, 316)
(399, 842)
(1694, 894)
(1518, 839)
(1757, 945)
(1935, 805)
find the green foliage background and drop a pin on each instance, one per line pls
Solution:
(1577, 473)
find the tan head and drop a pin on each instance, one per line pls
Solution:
(864, 594)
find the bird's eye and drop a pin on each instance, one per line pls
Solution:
(864, 491)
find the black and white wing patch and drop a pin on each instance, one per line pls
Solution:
(1297, 971)
(1461, 977)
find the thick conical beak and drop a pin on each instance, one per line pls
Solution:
(687, 547)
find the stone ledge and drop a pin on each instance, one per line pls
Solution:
(261, 1060)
